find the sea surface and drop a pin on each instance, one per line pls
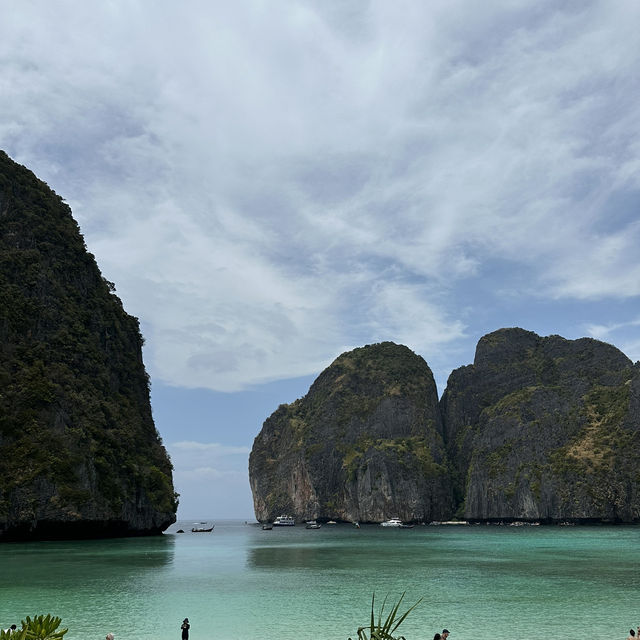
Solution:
(240, 582)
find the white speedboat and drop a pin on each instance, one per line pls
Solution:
(394, 522)
(284, 521)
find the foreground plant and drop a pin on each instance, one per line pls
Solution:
(36, 628)
(384, 630)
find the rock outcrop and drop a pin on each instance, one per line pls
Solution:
(79, 452)
(544, 429)
(364, 444)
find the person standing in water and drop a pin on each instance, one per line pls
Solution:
(185, 629)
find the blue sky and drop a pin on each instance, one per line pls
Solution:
(269, 184)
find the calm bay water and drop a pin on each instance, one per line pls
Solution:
(240, 582)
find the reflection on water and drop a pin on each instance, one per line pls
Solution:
(94, 557)
(290, 557)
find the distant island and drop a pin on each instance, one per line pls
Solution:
(537, 429)
(80, 456)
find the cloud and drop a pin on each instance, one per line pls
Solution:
(607, 268)
(212, 448)
(191, 455)
(211, 478)
(625, 334)
(269, 185)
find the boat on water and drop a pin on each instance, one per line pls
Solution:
(312, 525)
(267, 526)
(202, 529)
(284, 521)
(393, 522)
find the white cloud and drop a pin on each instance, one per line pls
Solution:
(213, 448)
(625, 335)
(191, 455)
(609, 267)
(211, 479)
(268, 185)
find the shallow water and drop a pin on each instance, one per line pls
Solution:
(240, 582)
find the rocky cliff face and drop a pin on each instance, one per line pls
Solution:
(544, 429)
(536, 429)
(365, 444)
(79, 453)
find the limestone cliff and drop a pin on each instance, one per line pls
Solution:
(545, 429)
(364, 444)
(79, 452)
(536, 429)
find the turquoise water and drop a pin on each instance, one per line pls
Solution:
(240, 582)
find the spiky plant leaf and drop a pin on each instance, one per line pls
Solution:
(42, 628)
(384, 630)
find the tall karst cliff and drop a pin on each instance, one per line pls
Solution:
(79, 452)
(364, 444)
(545, 429)
(536, 429)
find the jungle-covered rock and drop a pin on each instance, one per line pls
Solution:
(537, 428)
(544, 429)
(79, 453)
(364, 444)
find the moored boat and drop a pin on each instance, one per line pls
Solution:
(202, 529)
(393, 522)
(284, 521)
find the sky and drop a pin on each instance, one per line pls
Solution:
(272, 183)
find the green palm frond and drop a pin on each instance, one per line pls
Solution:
(40, 628)
(384, 630)
(18, 634)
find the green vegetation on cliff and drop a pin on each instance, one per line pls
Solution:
(77, 438)
(536, 429)
(364, 444)
(543, 428)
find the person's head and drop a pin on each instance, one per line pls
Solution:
(445, 633)
(437, 637)
(13, 627)
(109, 636)
(186, 620)
(632, 632)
